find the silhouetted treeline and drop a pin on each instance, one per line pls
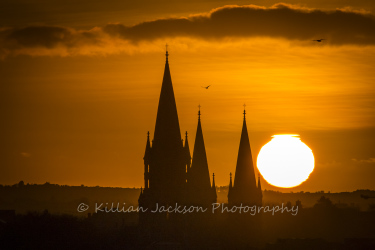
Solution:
(308, 199)
(65, 199)
(62, 198)
(323, 226)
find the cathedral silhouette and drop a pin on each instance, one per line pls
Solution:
(172, 176)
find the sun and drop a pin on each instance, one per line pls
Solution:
(285, 161)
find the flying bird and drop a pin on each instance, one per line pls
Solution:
(206, 87)
(319, 40)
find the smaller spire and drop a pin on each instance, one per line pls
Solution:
(244, 111)
(199, 112)
(260, 193)
(230, 188)
(141, 190)
(148, 145)
(213, 180)
(187, 152)
(186, 140)
(214, 195)
(146, 157)
(259, 186)
(166, 49)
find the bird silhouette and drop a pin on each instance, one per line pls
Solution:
(206, 87)
(319, 40)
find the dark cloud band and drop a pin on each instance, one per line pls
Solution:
(339, 27)
(284, 21)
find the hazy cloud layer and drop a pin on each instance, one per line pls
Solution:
(370, 160)
(46, 40)
(49, 37)
(339, 27)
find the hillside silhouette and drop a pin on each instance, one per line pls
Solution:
(325, 225)
(64, 199)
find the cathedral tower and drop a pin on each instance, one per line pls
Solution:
(166, 159)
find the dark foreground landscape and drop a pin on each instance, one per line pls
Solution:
(46, 217)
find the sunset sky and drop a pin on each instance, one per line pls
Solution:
(80, 83)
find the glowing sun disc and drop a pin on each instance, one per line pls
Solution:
(285, 161)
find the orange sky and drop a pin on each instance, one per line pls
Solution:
(78, 95)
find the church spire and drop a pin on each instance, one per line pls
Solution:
(199, 112)
(146, 157)
(244, 187)
(147, 160)
(200, 183)
(244, 111)
(166, 51)
(187, 153)
(167, 128)
(230, 189)
(259, 190)
(165, 175)
(259, 186)
(214, 195)
(244, 176)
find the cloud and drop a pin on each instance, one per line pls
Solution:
(339, 27)
(49, 37)
(350, 9)
(369, 160)
(41, 40)
(280, 21)
(330, 164)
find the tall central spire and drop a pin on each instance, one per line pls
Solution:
(167, 128)
(167, 171)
